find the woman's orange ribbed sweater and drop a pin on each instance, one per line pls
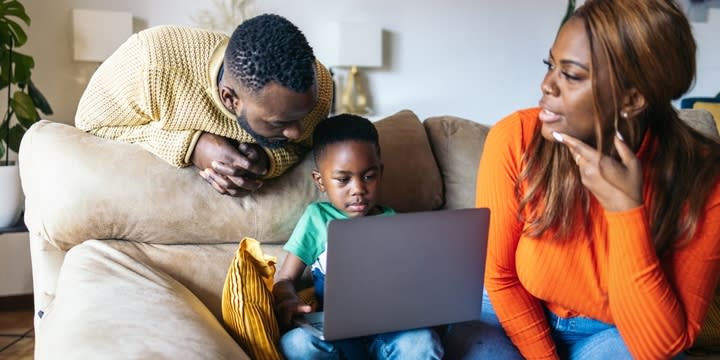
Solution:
(657, 304)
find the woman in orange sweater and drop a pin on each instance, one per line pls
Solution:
(605, 206)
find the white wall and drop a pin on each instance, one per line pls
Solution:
(478, 59)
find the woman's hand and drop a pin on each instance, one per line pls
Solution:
(616, 185)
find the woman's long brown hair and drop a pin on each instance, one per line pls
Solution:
(647, 46)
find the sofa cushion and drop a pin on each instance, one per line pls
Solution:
(457, 144)
(79, 186)
(700, 120)
(103, 291)
(411, 178)
(712, 107)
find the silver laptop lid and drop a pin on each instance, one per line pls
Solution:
(390, 273)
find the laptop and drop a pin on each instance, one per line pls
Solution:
(391, 273)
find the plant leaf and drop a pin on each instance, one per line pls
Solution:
(18, 34)
(24, 109)
(4, 71)
(3, 137)
(16, 9)
(16, 134)
(4, 33)
(8, 11)
(39, 99)
(568, 12)
(23, 67)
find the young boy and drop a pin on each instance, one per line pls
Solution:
(349, 170)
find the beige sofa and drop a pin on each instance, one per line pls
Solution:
(129, 254)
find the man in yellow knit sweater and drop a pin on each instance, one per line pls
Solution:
(241, 109)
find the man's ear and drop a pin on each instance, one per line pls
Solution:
(318, 180)
(230, 98)
(634, 103)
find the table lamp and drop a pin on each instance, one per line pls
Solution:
(354, 46)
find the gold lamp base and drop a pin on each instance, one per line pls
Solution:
(354, 99)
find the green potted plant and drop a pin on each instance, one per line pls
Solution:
(22, 104)
(568, 12)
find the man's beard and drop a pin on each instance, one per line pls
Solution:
(261, 140)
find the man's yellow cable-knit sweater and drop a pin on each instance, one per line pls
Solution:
(159, 90)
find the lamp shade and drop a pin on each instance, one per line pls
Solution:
(350, 44)
(96, 34)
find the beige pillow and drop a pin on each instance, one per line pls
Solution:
(457, 144)
(712, 107)
(700, 120)
(411, 181)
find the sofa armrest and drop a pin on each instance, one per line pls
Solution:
(79, 186)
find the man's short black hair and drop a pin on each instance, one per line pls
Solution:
(269, 47)
(343, 127)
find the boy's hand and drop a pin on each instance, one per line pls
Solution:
(287, 302)
(288, 308)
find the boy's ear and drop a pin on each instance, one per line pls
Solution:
(318, 180)
(634, 103)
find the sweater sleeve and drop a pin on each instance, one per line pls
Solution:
(659, 306)
(281, 159)
(116, 105)
(520, 313)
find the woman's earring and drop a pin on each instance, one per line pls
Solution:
(624, 115)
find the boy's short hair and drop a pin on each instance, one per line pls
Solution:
(343, 127)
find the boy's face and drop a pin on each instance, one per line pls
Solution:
(350, 173)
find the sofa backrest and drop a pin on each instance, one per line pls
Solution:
(79, 186)
(458, 144)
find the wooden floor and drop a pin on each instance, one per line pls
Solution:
(17, 338)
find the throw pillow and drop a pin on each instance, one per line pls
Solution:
(411, 179)
(247, 304)
(713, 108)
(457, 144)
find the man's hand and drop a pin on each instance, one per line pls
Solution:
(230, 169)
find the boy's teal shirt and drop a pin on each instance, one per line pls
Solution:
(309, 238)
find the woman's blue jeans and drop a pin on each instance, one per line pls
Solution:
(575, 338)
(410, 344)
